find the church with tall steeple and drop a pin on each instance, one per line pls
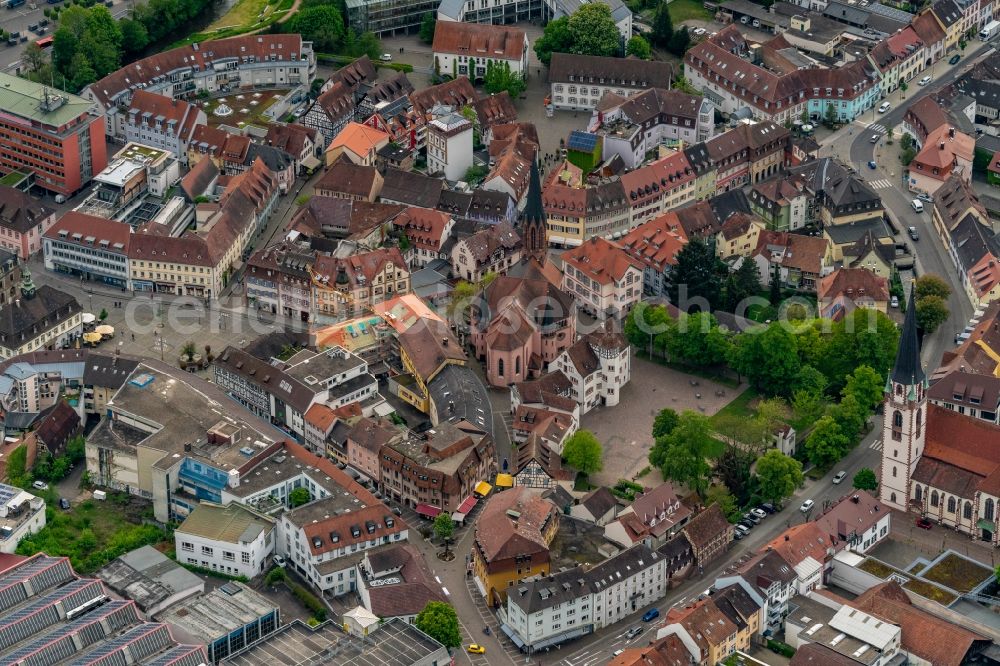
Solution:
(937, 463)
(533, 227)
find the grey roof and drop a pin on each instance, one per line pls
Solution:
(699, 158)
(411, 188)
(890, 12)
(274, 159)
(766, 569)
(846, 13)
(148, 577)
(548, 591)
(558, 496)
(459, 394)
(986, 93)
(907, 369)
(947, 11)
(972, 240)
(626, 72)
(729, 203)
(107, 371)
(394, 643)
(451, 9)
(218, 613)
(27, 318)
(262, 374)
(599, 501)
(842, 234)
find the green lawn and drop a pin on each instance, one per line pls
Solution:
(739, 407)
(93, 533)
(686, 10)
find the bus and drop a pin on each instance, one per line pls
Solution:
(44, 42)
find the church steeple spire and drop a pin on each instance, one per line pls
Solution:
(533, 223)
(907, 370)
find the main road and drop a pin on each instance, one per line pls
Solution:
(930, 254)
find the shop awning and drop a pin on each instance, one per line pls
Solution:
(483, 489)
(504, 481)
(467, 506)
(428, 510)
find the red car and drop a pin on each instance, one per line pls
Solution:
(923, 523)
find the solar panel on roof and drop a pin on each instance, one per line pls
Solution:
(583, 141)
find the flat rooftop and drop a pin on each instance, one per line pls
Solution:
(322, 509)
(395, 643)
(148, 577)
(120, 171)
(171, 409)
(219, 612)
(38, 102)
(232, 523)
(279, 468)
(310, 368)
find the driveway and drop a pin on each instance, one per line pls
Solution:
(70, 486)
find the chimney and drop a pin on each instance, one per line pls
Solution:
(951, 132)
(942, 145)
(444, 341)
(856, 499)
(786, 538)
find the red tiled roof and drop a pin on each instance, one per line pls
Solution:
(500, 536)
(90, 226)
(203, 54)
(184, 115)
(601, 260)
(793, 250)
(958, 440)
(359, 139)
(320, 416)
(479, 40)
(647, 182)
(348, 178)
(656, 243)
(457, 92)
(424, 228)
(799, 542)
(853, 282)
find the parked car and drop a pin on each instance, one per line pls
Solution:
(955, 58)
(751, 517)
(617, 652)
(40, 485)
(884, 106)
(894, 302)
(739, 532)
(760, 513)
(279, 561)
(700, 31)
(633, 632)
(924, 523)
(768, 507)
(385, 57)
(924, 81)
(839, 476)
(748, 525)
(917, 205)
(651, 615)
(913, 233)
(923, 196)
(475, 649)
(64, 504)
(807, 506)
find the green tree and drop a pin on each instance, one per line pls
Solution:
(697, 273)
(698, 340)
(686, 450)
(679, 42)
(34, 58)
(322, 25)
(931, 285)
(906, 141)
(719, 494)
(444, 528)
(733, 469)
(299, 496)
(809, 378)
(903, 87)
(17, 465)
(644, 322)
(779, 475)
(135, 37)
(931, 313)
(637, 46)
(867, 386)
(665, 422)
(774, 286)
(830, 117)
(475, 173)
(741, 284)
(583, 452)
(851, 417)
(594, 31)
(663, 25)
(557, 38)
(865, 480)
(863, 337)
(807, 405)
(769, 360)
(826, 443)
(439, 621)
(427, 25)
(76, 448)
(499, 77)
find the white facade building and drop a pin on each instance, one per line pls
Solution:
(21, 514)
(599, 365)
(449, 146)
(552, 609)
(231, 540)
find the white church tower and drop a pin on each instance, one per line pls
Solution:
(904, 422)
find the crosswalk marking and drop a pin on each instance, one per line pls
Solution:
(876, 445)
(875, 128)
(880, 184)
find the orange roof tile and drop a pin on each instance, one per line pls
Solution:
(359, 139)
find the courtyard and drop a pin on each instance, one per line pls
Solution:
(624, 430)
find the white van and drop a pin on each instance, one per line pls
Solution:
(885, 106)
(918, 205)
